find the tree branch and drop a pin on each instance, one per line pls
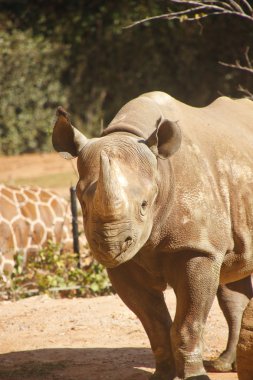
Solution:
(245, 91)
(246, 55)
(237, 65)
(200, 9)
(195, 10)
(248, 6)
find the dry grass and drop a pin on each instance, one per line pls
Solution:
(55, 180)
(47, 170)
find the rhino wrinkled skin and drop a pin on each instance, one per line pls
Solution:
(167, 199)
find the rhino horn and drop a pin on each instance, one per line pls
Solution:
(110, 198)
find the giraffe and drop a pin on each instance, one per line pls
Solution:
(29, 218)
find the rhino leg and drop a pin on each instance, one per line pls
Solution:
(233, 298)
(196, 282)
(137, 289)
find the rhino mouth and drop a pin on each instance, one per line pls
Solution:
(112, 254)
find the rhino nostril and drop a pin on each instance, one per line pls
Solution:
(128, 241)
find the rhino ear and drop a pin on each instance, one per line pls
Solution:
(165, 140)
(66, 139)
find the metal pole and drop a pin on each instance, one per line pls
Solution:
(74, 222)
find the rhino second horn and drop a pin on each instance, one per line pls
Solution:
(109, 197)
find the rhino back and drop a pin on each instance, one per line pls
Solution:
(139, 116)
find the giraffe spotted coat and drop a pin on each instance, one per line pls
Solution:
(29, 218)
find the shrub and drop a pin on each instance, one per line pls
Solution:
(55, 273)
(29, 91)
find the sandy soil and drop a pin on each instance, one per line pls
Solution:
(32, 165)
(81, 339)
(85, 339)
(29, 168)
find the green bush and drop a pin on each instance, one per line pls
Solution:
(76, 54)
(29, 91)
(55, 273)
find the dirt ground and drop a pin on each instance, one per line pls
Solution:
(78, 339)
(85, 339)
(46, 170)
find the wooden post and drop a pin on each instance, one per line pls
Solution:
(74, 222)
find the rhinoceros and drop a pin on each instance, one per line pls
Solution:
(167, 200)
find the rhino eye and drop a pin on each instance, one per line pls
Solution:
(144, 206)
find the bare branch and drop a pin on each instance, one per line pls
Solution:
(245, 91)
(199, 9)
(247, 5)
(205, 5)
(168, 16)
(159, 17)
(236, 6)
(246, 55)
(237, 66)
(228, 6)
(196, 9)
(233, 7)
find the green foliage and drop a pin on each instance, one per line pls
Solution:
(28, 90)
(55, 273)
(77, 54)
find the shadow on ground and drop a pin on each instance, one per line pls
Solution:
(77, 364)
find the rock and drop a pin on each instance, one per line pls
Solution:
(245, 345)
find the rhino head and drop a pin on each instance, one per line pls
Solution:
(118, 184)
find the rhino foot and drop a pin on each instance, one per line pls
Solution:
(163, 375)
(219, 365)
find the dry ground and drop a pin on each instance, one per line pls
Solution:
(78, 339)
(84, 339)
(47, 170)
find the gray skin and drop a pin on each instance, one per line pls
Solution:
(167, 199)
(245, 345)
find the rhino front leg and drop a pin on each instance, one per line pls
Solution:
(137, 289)
(195, 285)
(233, 299)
